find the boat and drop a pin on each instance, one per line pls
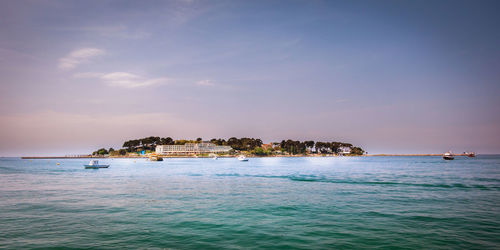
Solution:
(448, 156)
(94, 164)
(155, 158)
(242, 158)
(470, 154)
(213, 156)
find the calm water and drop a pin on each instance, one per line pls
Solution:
(307, 203)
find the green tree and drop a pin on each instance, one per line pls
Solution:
(357, 151)
(166, 141)
(101, 151)
(259, 151)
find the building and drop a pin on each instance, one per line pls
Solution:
(191, 148)
(343, 150)
(267, 146)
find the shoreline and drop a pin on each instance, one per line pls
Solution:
(189, 156)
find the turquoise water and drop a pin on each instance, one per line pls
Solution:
(287, 203)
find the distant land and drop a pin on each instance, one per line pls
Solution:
(247, 146)
(250, 147)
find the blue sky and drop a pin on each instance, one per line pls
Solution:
(390, 76)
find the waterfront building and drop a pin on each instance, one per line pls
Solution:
(191, 148)
(343, 150)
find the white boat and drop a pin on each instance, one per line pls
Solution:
(95, 165)
(448, 156)
(242, 158)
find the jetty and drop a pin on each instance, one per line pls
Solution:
(63, 157)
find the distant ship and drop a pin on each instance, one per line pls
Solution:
(470, 154)
(448, 156)
(94, 164)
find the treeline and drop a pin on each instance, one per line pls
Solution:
(298, 147)
(150, 143)
(147, 143)
(252, 145)
(103, 151)
(243, 144)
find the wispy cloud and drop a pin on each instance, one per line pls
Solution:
(76, 57)
(207, 83)
(88, 75)
(128, 80)
(123, 79)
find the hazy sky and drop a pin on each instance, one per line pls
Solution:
(390, 76)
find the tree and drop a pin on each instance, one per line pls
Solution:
(166, 141)
(101, 151)
(357, 151)
(131, 145)
(234, 143)
(309, 145)
(259, 151)
(293, 147)
(322, 147)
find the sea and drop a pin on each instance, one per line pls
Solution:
(393, 202)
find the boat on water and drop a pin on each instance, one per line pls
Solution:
(94, 164)
(242, 158)
(213, 156)
(470, 154)
(155, 158)
(448, 156)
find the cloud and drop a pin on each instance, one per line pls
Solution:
(128, 80)
(207, 83)
(88, 75)
(76, 57)
(123, 79)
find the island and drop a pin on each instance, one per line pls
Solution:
(252, 147)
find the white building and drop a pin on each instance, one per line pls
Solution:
(204, 147)
(343, 150)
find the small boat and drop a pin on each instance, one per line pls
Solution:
(470, 154)
(94, 164)
(448, 156)
(242, 158)
(155, 158)
(214, 156)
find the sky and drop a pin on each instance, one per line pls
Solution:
(389, 76)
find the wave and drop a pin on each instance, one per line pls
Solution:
(313, 178)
